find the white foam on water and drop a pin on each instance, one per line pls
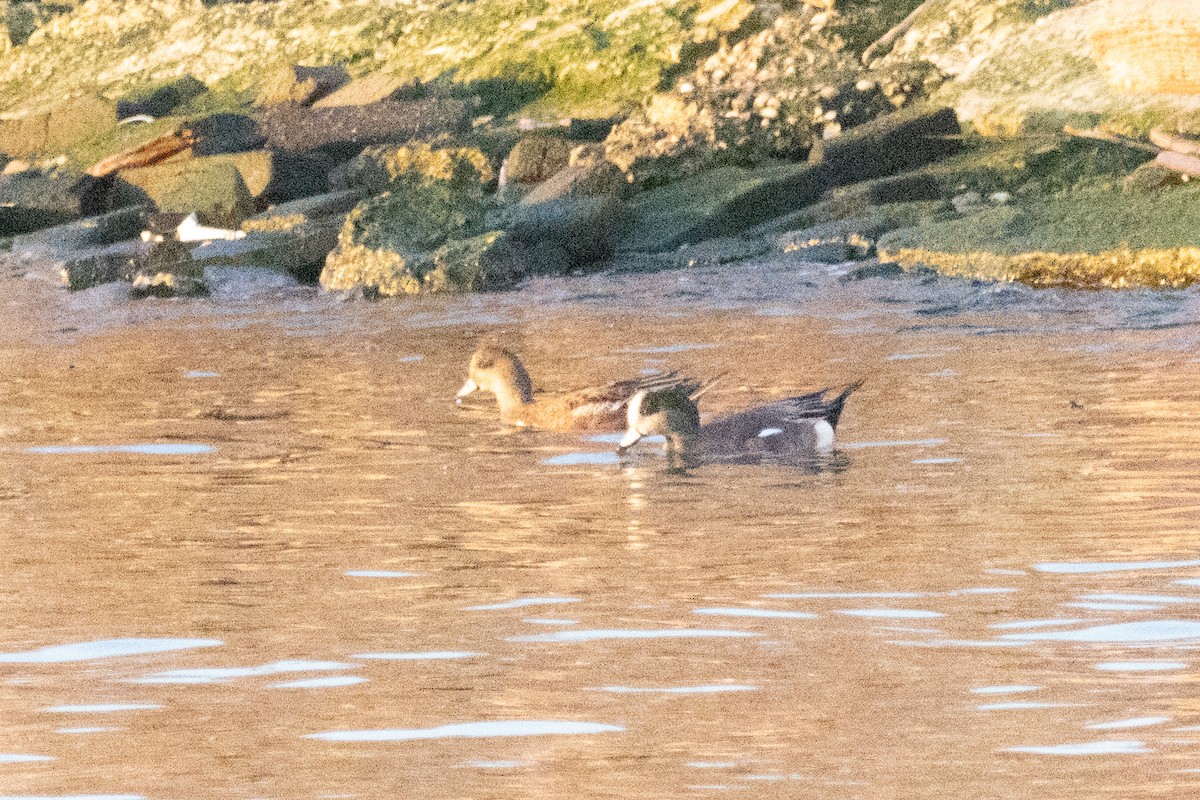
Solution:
(103, 648)
(225, 674)
(91, 729)
(594, 635)
(198, 373)
(936, 460)
(1168, 630)
(1136, 722)
(1089, 567)
(1034, 623)
(549, 621)
(762, 613)
(22, 758)
(1140, 666)
(1113, 606)
(471, 730)
(524, 602)
(1153, 599)
(574, 459)
(495, 764)
(711, 764)
(1100, 748)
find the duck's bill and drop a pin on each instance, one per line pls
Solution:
(467, 388)
(631, 438)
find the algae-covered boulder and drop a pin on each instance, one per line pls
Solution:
(54, 130)
(301, 85)
(535, 157)
(213, 187)
(434, 196)
(35, 199)
(1087, 239)
(384, 167)
(487, 261)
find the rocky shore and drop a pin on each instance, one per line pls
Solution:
(386, 149)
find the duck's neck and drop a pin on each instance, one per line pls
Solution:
(683, 449)
(514, 401)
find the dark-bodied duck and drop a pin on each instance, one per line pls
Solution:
(499, 371)
(796, 429)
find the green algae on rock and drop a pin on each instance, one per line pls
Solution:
(1091, 239)
(383, 167)
(487, 261)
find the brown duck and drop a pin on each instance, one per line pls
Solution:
(604, 408)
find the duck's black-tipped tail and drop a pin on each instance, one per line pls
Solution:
(833, 409)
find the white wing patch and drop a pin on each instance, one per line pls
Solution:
(824, 433)
(765, 432)
(587, 409)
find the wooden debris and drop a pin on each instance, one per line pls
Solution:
(1169, 141)
(145, 155)
(1183, 163)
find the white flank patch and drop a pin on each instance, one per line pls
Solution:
(765, 432)
(824, 433)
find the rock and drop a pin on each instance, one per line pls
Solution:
(384, 167)
(285, 215)
(347, 129)
(715, 252)
(591, 130)
(601, 179)
(99, 265)
(91, 232)
(213, 187)
(730, 200)
(299, 249)
(267, 177)
(535, 157)
(367, 90)
(53, 131)
(487, 261)
(224, 133)
(585, 227)
(35, 199)
(161, 99)
(414, 218)
(1151, 177)
(301, 85)
(168, 272)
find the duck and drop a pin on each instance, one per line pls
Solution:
(797, 428)
(597, 408)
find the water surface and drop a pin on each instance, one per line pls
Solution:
(254, 550)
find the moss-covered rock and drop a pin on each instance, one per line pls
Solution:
(564, 58)
(384, 167)
(213, 187)
(53, 131)
(1087, 239)
(160, 98)
(535, 157)
(301, 85)
(487, 261)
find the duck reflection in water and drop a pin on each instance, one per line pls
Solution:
(499, 371)
(795, 430)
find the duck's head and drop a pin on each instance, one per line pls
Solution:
(669, 412)
(499, 371)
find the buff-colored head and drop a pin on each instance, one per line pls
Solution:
(499, 371)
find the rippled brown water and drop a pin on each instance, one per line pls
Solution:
(1019, 466)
